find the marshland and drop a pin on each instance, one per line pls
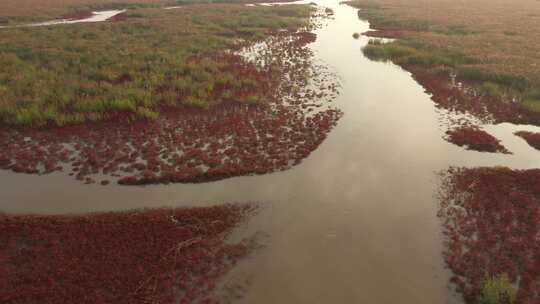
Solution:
(375, 151)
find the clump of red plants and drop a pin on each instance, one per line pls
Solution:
(188, 144)
(474, 138)
(532, 138)
(140, 256)
(78, 15)
(491, 223)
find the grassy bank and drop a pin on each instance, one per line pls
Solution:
(75, 73)
(493, 44)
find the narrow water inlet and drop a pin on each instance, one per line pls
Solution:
(356, 221)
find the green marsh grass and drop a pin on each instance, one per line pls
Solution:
(74, 73)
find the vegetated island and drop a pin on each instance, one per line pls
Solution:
(161, 96)
(474, 138)
(532, 138)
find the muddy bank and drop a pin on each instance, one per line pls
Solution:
(491, 218)
(141, 256)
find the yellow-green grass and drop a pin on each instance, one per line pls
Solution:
(486, 41)
(70, 73)
(24, 11)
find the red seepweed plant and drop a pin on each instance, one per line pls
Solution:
(141, 256)
(474, 138)
(491, 221)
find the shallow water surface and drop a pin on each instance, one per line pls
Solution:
(353, 223)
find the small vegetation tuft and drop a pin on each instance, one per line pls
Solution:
(498, 290)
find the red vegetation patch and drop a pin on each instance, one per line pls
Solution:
(473, 138)
(145, 256)
(186, 146)
(491, 220)
(533, 139)
(78, 15)
(119, 17)
(382, 31)
(122, 79)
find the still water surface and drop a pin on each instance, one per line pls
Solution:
(353, 223)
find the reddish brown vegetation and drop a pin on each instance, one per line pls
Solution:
(184, 146)
(491, 221)
(473, 138)
(379, 30)
(146, 256)
(485, 107)
(187, 145)
(119, 17)
(533, 139)
(78, 15)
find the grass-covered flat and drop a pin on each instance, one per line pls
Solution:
(82, 72)
(494, 44)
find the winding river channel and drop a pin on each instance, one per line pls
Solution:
(355, 222)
